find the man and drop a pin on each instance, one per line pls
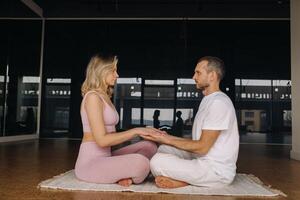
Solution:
(178, 128)
(209, 158)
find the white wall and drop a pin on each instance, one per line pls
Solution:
(295, 61)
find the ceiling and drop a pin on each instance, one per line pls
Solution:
(150, 8)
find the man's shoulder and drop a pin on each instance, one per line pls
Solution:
(221, 100)
(222, 97)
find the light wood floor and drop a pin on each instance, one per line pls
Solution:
(23, 165)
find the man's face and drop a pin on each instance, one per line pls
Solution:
(201, 76)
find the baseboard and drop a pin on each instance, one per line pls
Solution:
(295, 155)
(18, 138)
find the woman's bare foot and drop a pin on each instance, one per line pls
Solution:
(126, 182)
(165, 182)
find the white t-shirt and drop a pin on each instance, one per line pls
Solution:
(216, 112)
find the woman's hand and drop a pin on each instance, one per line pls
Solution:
(162, 138)
(147, 131)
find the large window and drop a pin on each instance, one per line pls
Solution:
(159, 103)
(151, 102)
(57, 107)
(263, 105)
(19, 76)
(158, 58)
(127, 99)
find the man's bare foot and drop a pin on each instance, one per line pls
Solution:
(126, 182)
(166, 182)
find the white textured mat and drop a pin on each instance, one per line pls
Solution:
(243, 185)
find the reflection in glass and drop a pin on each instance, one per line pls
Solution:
(263, 105)
(57, 107)
(2, 101)
(135, 116)
(21, 79)
(165, 117)
(254, 120)
(187, 120)
(159, 105)
(287, 118)
(127, 100)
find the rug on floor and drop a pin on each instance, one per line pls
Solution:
(243, 185)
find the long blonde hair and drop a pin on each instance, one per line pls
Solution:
(96, 72)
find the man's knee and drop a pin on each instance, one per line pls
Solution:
(156, 163)
(164, 148)
(155, 160)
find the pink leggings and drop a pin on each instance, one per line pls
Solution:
(97, 165)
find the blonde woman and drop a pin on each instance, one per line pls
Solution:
(96, 162)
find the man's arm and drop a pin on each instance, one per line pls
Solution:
(201, 146)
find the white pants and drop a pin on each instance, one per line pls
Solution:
(184, 166)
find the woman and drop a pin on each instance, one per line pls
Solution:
(96, 162)
(156, 121)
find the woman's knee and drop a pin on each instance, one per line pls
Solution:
(141, 168)
(141, 164)
(151, 146)
(86, 176)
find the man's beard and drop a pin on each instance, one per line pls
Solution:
(202, 86)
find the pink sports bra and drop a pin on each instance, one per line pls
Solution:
(110, 115)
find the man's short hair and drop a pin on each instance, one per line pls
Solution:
(214, 64)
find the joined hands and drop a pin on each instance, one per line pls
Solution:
(156, 135)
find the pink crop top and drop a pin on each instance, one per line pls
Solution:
(110, 115)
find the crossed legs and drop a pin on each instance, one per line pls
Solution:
(126, 165)
(145, 148)
(176, 168)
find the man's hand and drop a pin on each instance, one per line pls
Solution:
(147, 131)
(202, 146)
(162, 137)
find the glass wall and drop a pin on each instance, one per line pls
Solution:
(20, 54)
(167, 50)
(264, 110)
(19, 78)
(56, 102)
(159, 103)
(3, 65)
(127, 99)
(254, 103)
(148, 102)
(188, 100)
(263, 105)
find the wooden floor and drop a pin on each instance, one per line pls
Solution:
(23, 165)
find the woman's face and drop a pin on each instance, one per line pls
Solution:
(112, 76)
